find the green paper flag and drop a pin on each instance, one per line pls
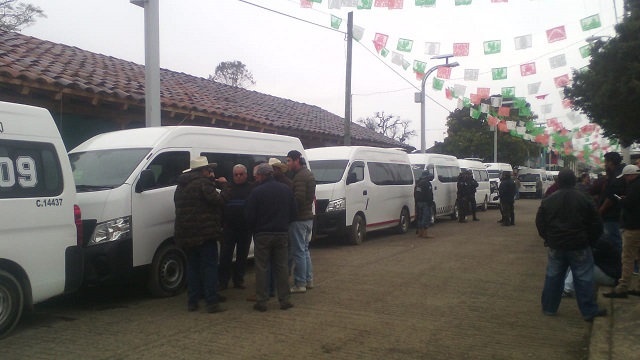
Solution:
(584, 68)
(438, 84)
(524, 111)
(519, 103)
(508, 92)
(529, 124)
(590, 23)
(537, 131)
(463, 2)
(335, 22)
(365, 4)
(425, 2)
(499, 73)
(466, 102)
(384, 52)
(585, 51)
(419, 66)
(405, 45)
(492, 47)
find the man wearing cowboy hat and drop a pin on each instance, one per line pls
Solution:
(197, 229)
(279, 168)
(630, 204)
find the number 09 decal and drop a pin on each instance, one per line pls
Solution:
(26, 168)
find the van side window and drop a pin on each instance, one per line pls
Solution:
(356, 172)
(447, 173)
(226, 162)
(168, 166)
(29, 169)
(390, 174)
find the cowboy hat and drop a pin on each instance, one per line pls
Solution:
(199, 163)
(279, 164)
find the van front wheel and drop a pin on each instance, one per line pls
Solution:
(11, 302)
(403, 225)
(358, 230)
(168, 272)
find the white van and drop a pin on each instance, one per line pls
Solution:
(480, 175)
(40, 234)
(495, 171)
(532, 182)
(126, 181)
(445, 170)
(360, 189)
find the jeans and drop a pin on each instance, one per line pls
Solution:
(630, 252)
(202, 270)
(599, 278)
(424, 214)
(240, 241)
(612, 230)
(581, 264)
(299, 257)
(271, 253)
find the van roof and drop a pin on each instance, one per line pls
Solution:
(471, 164)
(431, 158)
(357, 152)
(25, 120)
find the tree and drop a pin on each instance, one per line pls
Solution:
(390, 126)
(233, 73)
(608, 90)
(15, 16)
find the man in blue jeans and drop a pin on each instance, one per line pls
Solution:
(304, 189)
(568, 222)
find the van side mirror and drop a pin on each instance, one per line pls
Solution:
(146, 181)
(351, 178)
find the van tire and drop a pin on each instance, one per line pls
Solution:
(485, 204)
(12, 302)
(405, 220)
(168, 272)
(358, 230)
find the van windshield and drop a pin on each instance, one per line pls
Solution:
(529, 177)
(494, 174)
(328, 171)
(104, 169)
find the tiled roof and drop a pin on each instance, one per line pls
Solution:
(35, 60)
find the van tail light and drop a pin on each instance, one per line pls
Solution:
(77, 216)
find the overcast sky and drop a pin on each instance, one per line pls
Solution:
(306, 63)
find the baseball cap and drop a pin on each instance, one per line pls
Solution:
(629, 170)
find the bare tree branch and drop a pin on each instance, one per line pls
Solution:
(15, 16)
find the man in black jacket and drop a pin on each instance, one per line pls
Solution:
(630, 204)
(423, 196)
(473, 187)
(269, 210)
(568, 222)
(608, 206)
(507, 194)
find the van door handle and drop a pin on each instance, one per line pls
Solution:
(435, 188)
(364, 192)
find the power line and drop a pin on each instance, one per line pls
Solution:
(291, 16)
(384, 92)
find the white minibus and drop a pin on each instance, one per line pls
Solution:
(480, 175)
(445, 170)
(126, 181)
(532, 182)
(40, 232)
(361, 189)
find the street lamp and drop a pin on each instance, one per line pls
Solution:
(422, 96)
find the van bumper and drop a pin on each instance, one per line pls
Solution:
(73, 268)
(331, 223)
(109, 260)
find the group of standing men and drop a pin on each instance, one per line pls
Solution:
(275, 210)
(466, 196)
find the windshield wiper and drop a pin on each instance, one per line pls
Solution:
(86, 188)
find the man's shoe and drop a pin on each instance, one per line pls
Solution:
(616, 295)
(260, 307)
(634, 292)
(222, 287)
(298, 289)
(221, 298)
(548, 313)
(476, 219)
(192, 307)
(600, 312)
(309, 285)
(286, 306)
(506, 224)
(567, 294)
(215, 308)
(512, 224)
(500, 221)
(462, 221)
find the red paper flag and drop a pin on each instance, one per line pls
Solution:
(566, 103)
(541, 97)
(552, 123)
(562, 81)
(395, 4)
(484, 93)
(499, 1)
(556, 34)
(475, 99)
(492, 121)
(504, 111)
(419, 76)
(444, 73)
(306, 4)
(380, 41)
(461, 49)
(502, 126)
(448, 93)
(528, 69)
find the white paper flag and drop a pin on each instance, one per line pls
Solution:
(397, 58)
(533, 88)
(460, 90)
(523, 42)
(460, 103)
(496, 101)
(521, 130)
(511, 125)
(349, 3)
(558, 61)
(358, 32)
(432, 48)
(471, 74)
(334, 4)
(484, 108)
(546, 108)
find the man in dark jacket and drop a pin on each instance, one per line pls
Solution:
(630, 204)
(270, 209)
(462, 197)
(507, 191)
(568, 222)
(197, 230)
(423, 196)
(473, 187)
(609, 207)
(304, 189)
(236, 235)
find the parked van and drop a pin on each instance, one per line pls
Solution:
(495, 171)
(532, 182)
(480, 175)
(126, 181)
(445, 171)
(40, 256)
(360, 189)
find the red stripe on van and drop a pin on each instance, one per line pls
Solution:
(383, 223)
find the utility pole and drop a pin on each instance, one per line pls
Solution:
(347, 88)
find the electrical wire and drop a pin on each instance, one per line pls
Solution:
(291, 16)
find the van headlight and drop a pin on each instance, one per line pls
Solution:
(112, 230)
(337, 205)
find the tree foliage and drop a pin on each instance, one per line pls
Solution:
(608, 90)
(389, 125)
(15, 16)
(472, 138)
(233, 73)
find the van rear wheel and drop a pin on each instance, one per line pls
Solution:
(168, 272)
(358, 230)
(403, 225)
(11, 302)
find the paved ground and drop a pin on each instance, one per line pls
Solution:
(473, 292)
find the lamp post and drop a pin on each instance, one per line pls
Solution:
(151, 61)
(422, 96)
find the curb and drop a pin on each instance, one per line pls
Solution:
(601, 330)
